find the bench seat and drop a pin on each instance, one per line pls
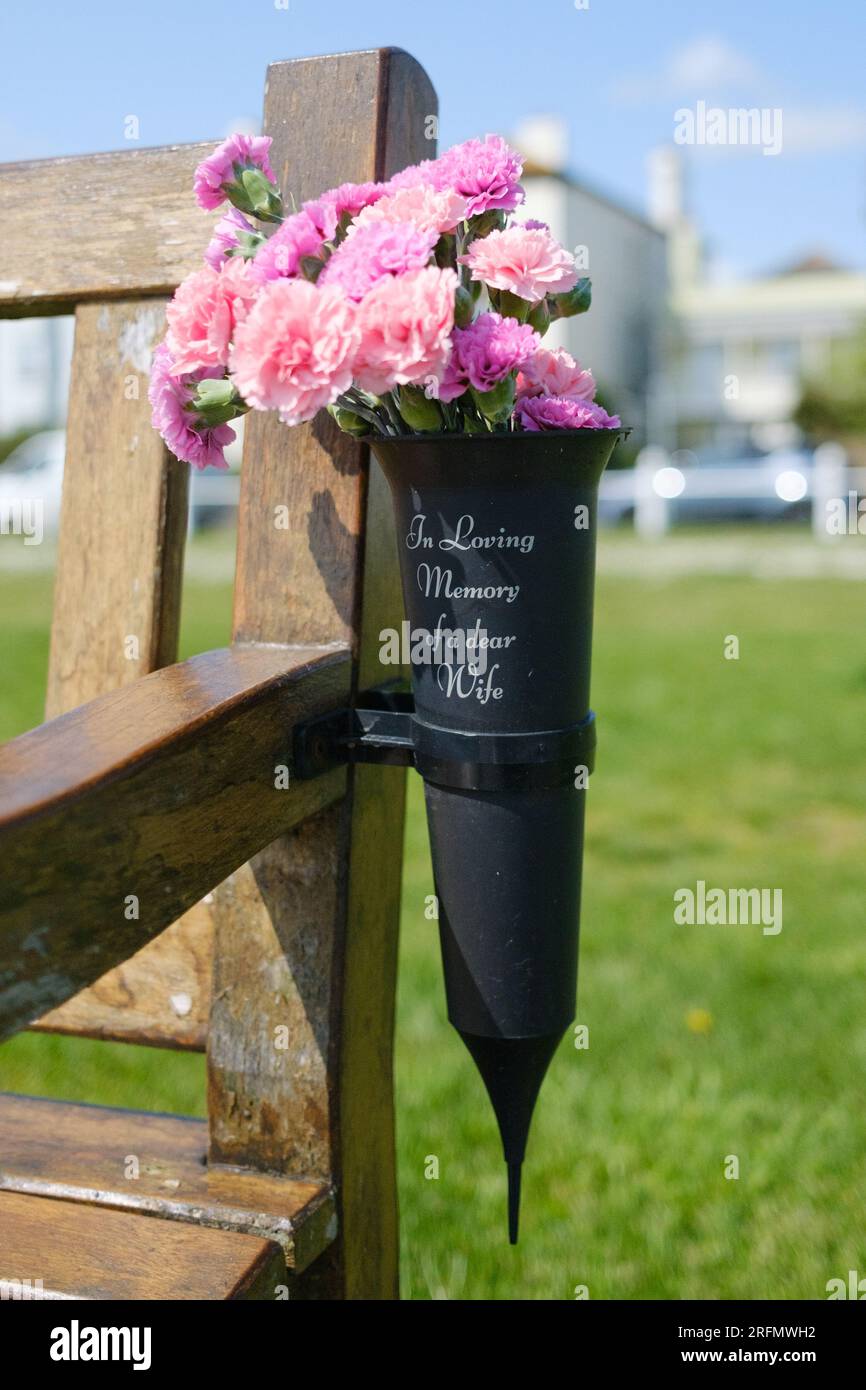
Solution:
(88, 1155)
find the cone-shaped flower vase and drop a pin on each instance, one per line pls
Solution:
(496, 537)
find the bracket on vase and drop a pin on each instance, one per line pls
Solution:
(385, 729)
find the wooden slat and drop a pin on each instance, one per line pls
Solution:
(124, 493)
(79, 1252)
(146, 799)
(160, 997)
(84, 1153)
(123, 520)
(97, 227)
(306, 934)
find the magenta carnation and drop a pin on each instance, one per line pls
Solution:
(554, 372)
(228, 160)
(281, 254)
(560, 413)
(405, 323)
(485, 353)
(380, 248)
(327, 210)
(225, 237)
(486, 172)
(294, 351)
(526, 261)
(204, 313)
(170, 394)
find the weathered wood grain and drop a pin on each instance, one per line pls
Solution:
(123, 519)
(160, 997)
(82, 1252)
(155, 1164)
(98, 227)
(306, 934)
(116, 615)
(141, 802)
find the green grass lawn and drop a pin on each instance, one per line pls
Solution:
(704, 1042)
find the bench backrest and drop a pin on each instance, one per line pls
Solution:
(303, 938)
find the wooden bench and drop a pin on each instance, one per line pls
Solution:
(158, 886)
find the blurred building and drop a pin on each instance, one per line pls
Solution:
(621, 338)
(35, 357)
(736, 352)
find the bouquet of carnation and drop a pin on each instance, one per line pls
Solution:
(407, 307)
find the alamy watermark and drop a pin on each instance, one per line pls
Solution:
(23, 518)
(702, 906)
(730, 125)
(444, 646)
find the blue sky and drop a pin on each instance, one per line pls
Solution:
(616, 71)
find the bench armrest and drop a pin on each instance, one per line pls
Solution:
(119, 816)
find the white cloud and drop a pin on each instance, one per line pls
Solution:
(811, 130)
(710, 63)
(707, 66)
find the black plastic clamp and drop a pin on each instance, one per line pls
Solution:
(385, 729)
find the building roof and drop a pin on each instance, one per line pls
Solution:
(532, 169)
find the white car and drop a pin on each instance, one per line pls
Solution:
(31, 484)
(31, 481)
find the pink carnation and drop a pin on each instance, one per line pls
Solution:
(281, 254)
(229, 159)
(327, 210)
(527, 262)
(225, 237)
(405, 323)
(486, 353)
(560, 413)
(554, 372)
(170, 394)
(413, 175)
(294, 351)
(486, 172)
(430, 209)
(205, 312)
(381, 248)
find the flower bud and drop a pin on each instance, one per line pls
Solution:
(513, 307)
(252, 192)
(576, 301)
(464, 307)
(216, 401)
(496, 405)
(348, 421)
(419, 412)
(539, 317)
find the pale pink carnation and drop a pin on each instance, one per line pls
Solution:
(205, 312)
(225, 237)
(405, 323)
(554, 372)
(527, 262)
(294, 352)
(486, 353)
(170, 394)
(281, 254)
(229, 159)
(413, 175)
(327, 210)
(486, 172)
(430, 209)
(560, 413)
(381, 248)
